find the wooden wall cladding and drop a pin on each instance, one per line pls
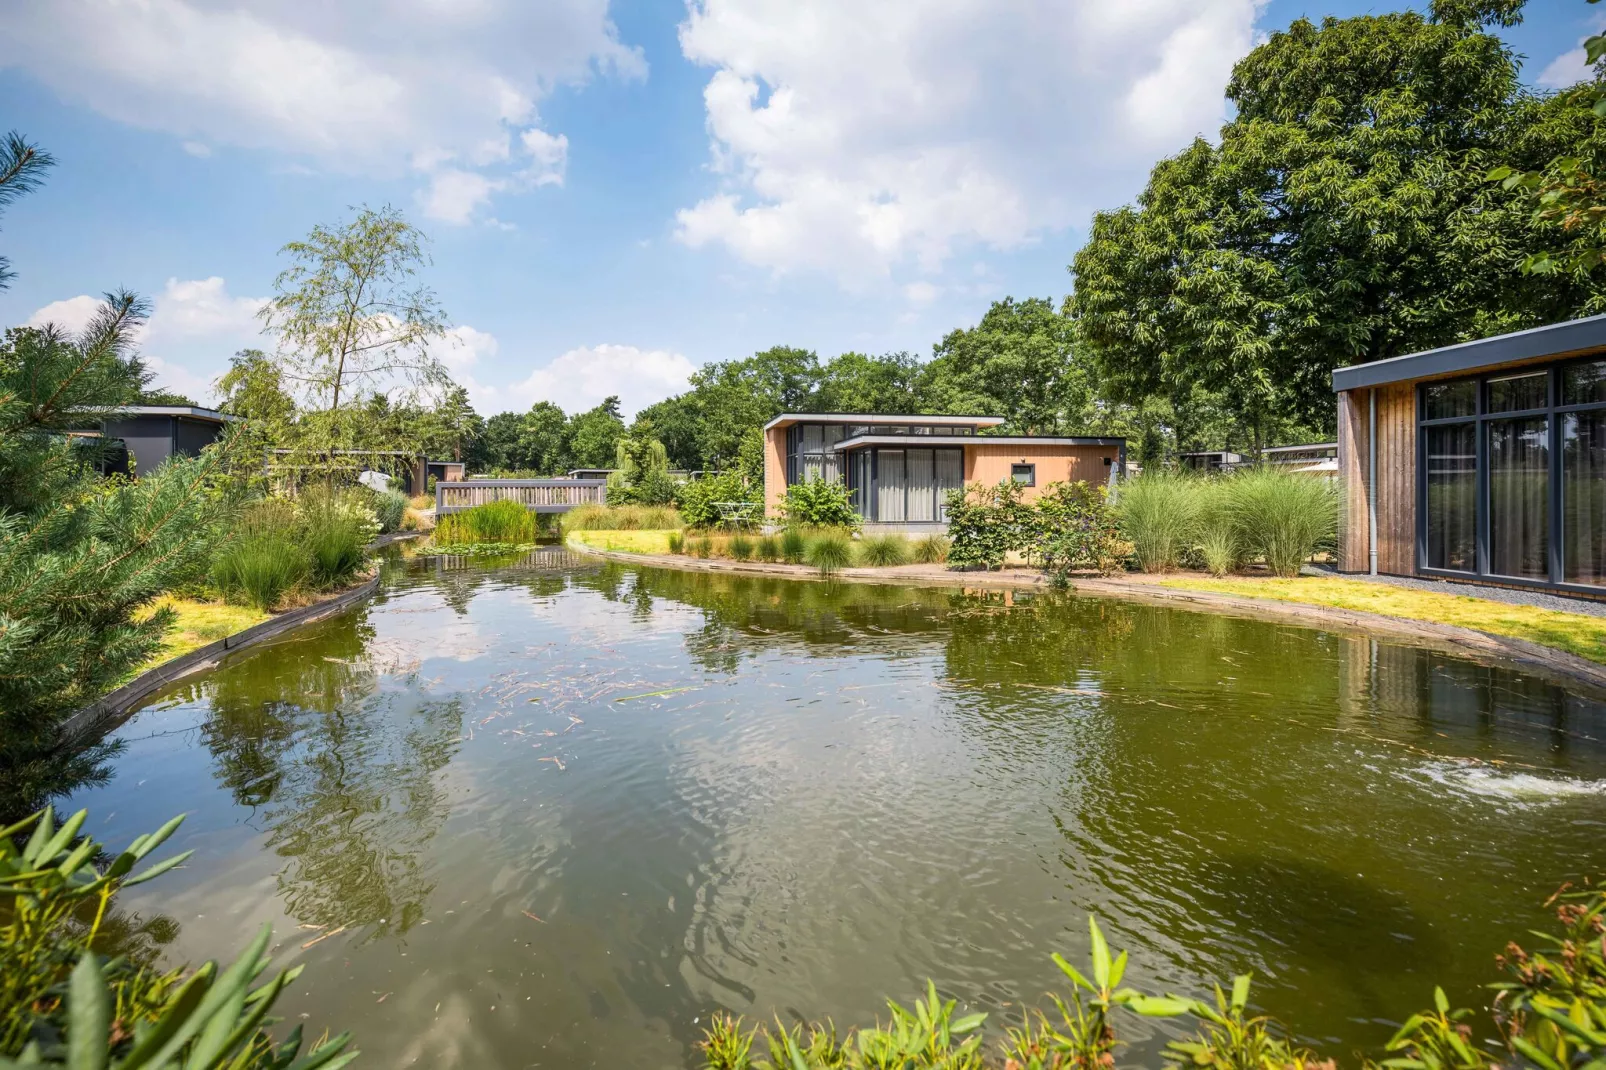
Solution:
(1396, 479)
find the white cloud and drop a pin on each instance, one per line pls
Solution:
(581, 378)
(195, 325)
(197, 148)
(865, 139)
(1572, 67)
(455, 195)
(368, 86)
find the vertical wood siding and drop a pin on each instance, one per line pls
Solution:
(774, 469)
(1352, 459)
(1055, 464)
(1396, 479)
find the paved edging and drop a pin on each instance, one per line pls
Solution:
(99, 715)
(1465, 642)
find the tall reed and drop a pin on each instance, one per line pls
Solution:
(501, 521)
(1282, 516)
(1158, 512)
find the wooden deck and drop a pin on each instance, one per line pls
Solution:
(537, 495)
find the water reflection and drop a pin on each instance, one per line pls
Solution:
(563, 810)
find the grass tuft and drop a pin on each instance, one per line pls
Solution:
(829, 551)
(793, 546)
(881, 551)
(768, 549)
(740, 548)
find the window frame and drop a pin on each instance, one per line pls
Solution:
(1031, 474)
(1554, 412)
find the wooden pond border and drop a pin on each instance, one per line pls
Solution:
(111, 708)
(1485, 647)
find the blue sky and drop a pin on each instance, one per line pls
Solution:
(614, 192)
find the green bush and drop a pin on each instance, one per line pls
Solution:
(769, 548)
(829, 551)
(793, 546)
(335, 529)
(931, 550)
(677, 542)
(1281, 516)
(1158, 512)
(63, 1005)
(703, 547)
(1550, 1014)
(390, 507)
(821, 503)
(880, 551)
(698, 499)
(499, 522)
(986, 523)
(1075, 529)
(740, 548)
(262, 557)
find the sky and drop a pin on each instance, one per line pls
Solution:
(614, 192)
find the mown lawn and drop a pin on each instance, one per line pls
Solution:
(1576, 633)
(199, 623)
(630, 542)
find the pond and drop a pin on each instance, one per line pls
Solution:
(554, 813)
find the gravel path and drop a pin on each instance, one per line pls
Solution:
(1509, 595)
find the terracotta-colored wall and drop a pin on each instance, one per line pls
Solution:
(1396, 479)
(1055, 464)
(774, 469)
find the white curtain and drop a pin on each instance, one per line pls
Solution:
(922, 487)
(890, 486)
(950, 475)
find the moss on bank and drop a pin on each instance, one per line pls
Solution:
(198, 622)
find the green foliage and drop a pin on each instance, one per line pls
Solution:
(768, 549)
(1075, 529)
(1019, 362)
(792, 546)
(987, 523)
(263, 557)
(677, 542)
(740, 548)
(698, 500)
(494, 522)
(22, 168)
(703, 547)
(931, 549)
(594, 435)
(641, 470)
(1344, 216)
(819, 503)
(1281, 516)
(390, 509)
(336, 528)
(1158, 512)
(884, 550)
(621, 518)
(829, 551)
(64, 1004)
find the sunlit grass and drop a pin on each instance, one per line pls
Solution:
(199, 623)
(629, 542)
(1576, 633)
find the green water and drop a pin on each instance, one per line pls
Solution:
(781, 797)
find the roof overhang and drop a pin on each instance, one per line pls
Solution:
(919, 441)
(1555, 340)
(192, 412)
(786, 419)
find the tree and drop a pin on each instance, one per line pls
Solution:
(22, 168)
(1019, 362)
(732, 397)
(641, 469)
(448, 428)
(353, 323)
(544, 437)
(1344, 217)
(594, 435)
(498, 449)
(854, 382)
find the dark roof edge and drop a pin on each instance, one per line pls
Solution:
(1554, 339)
(194, 412)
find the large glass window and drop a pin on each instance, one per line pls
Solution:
(1452, 496)
(1584, 384)
(1444, 400)
(1583, 496)
(1519, 498)
(1514, 393)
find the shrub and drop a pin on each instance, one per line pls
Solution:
(1158, 512)
(740, 548)
(61, 1000)
(500, 522)
(931, 550)
(986, 523)
(819, 503)
(1282, 516)
(259, 570)
(698, 499)
(769, 548)
(677, 542)
(1075, 529)
(829, 551)
(793, 546)
(880, 551)
(390, 508)
(703, 547)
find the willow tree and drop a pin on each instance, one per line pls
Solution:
(352, 321)
(1344, 216)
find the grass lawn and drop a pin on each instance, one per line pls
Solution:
(1576, 633)
(630, 542)
(199, 623)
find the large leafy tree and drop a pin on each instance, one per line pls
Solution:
(594, 435)
(544, 439)
(1345, 216)
(733, 397)
(353, 322)
(1019, 362)
(855, 382)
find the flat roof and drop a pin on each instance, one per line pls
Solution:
(1551, 340)
(787, 418)
(919, 441)
(1302, 446)
(194, 412)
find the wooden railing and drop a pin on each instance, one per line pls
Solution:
(540, 495)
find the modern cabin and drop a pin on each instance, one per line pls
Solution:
(1482, 462)
(899, 467)
(152, 433)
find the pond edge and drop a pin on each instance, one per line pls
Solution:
(1462, 642)
(97, 717)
